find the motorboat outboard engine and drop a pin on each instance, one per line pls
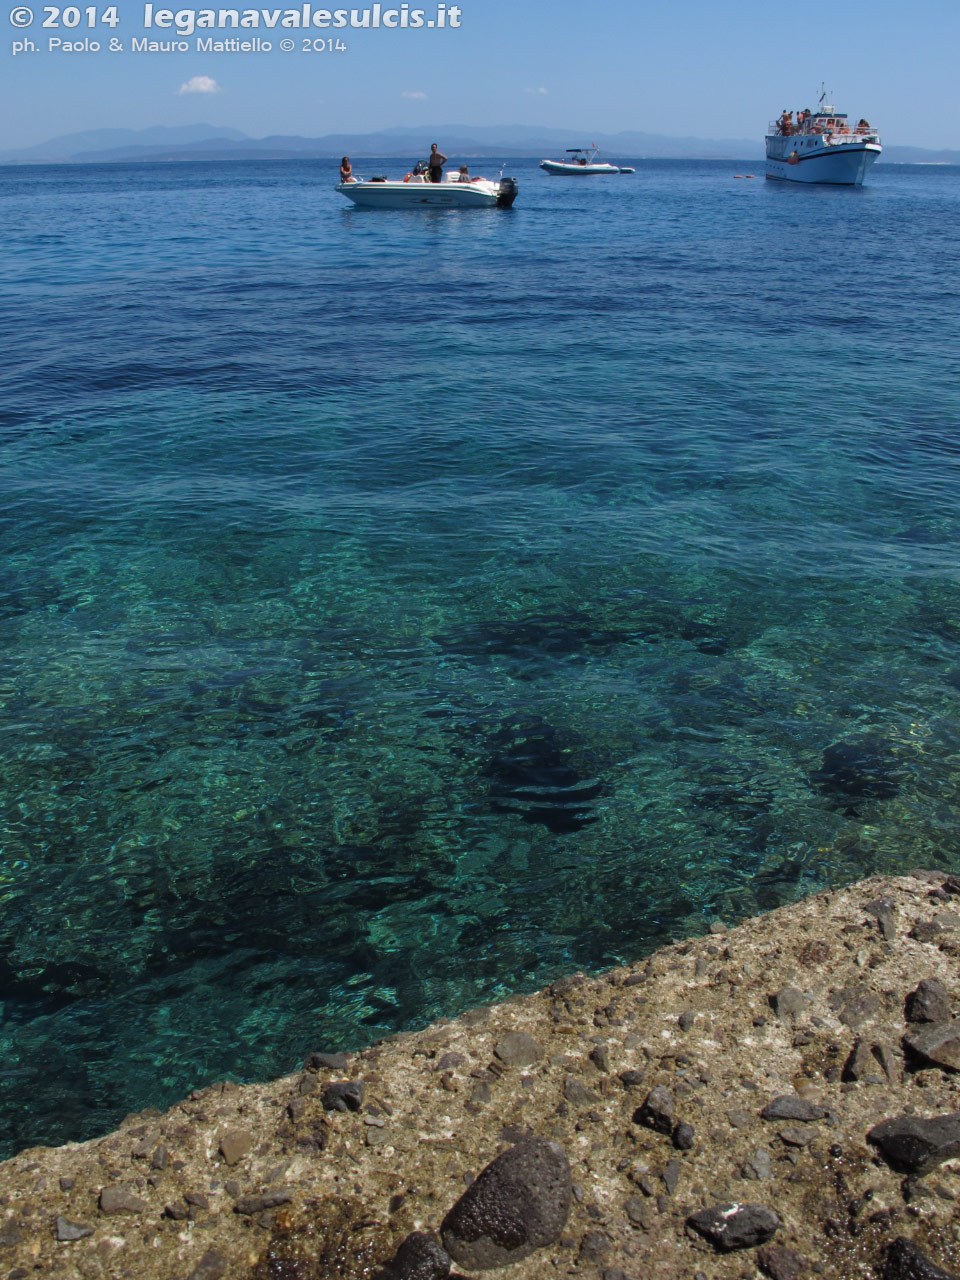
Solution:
(508, 192)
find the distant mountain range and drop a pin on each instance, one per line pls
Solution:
(206, 142)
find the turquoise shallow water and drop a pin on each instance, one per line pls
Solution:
(397, 610)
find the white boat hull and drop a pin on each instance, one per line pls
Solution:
(560, 169)
(482, 194)
(840, 164)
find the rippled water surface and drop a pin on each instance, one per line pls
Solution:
(398, 609)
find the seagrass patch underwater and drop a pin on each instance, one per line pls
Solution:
(397, 611)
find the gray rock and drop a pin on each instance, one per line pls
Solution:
(160, 1158)
(344, 1095)
(121, 1200)
(684, 1136)
(327, 1062)
(735, 1226)
(759, 1168)
(739, 1119)
(926, 931)
(686, 1020)
(913, 1145)
(884, 911)
(600, 1057)
(789, 1002)
(671, 1176)
(212, 1266)
(863, 1062)
(67, 1230)
(517, 1204)
(10, 1235)
(928, 1002)
(594, 1245)
(794, 1136)
(904, 1261)
(779, 1263)
(269, 1199)
(657, 1110)
(937, 1042)
(235, 1144)
(420, 1258)
(787, 1106)
(575, 1091)
(631, 1078)
(863, 1007)
(518, 1049)
(640, 1212)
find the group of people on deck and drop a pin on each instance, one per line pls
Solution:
(786, 126)
(432, 169)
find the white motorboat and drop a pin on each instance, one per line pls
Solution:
(416, 191)
(821, 146)
(584, 162)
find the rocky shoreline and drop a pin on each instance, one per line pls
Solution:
(781, 1098)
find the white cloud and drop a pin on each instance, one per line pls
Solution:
(413, 93)
(200, 84)
(540, 90)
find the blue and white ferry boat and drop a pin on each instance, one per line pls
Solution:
(821, 146)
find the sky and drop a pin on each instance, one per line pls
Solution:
(701, 68)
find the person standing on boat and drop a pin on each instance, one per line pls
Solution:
(436, 162)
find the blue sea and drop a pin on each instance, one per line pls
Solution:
(400, 609)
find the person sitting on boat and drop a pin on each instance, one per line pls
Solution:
(346, 170)
(436, 162)
(464, 174)
(419, 169)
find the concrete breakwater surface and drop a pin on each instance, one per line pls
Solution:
(779, 1098)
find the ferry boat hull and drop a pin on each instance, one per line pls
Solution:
(839, 164)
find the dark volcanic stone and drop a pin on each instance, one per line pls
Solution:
(518, 1049)
(937, 1042)
(594, 1245)
(327, 1062)
(420, 1258)
(269, 1199)
(657, 1110)
(884, 911)
(789, 1107)
(929, 1002)
(67, 1230)
(212, 1266)
(575, 1091)
(854, 770)
(913, 1145)
(683, 1136)
(735, 1226)
(789, 1002)
(860, 1009)
(904, 1261)
(631, 1078)
(343, 1095)
(121, 1200)
(517, 1204)
(780, 1263)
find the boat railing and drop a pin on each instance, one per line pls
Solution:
(810, 130)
